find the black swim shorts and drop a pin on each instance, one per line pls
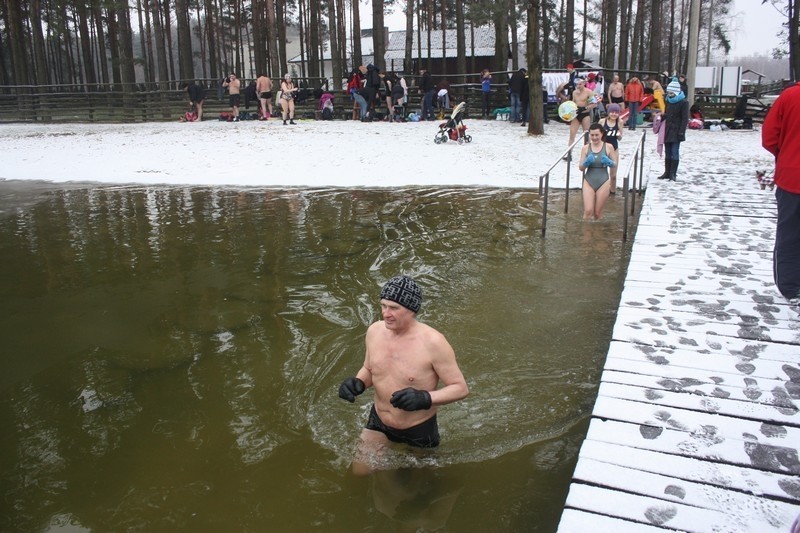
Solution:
(234, 100)
(424, 435)
(266, 95)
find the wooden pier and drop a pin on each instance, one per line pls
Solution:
(696, 424)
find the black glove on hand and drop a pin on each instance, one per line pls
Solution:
(350, 388)
(411, 399)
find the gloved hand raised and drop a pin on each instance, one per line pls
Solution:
(607, 161)
(589, 159)
(350, 388)
(410, 399)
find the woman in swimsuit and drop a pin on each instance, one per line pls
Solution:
(612, 131)
(287, 98)
(596, 158)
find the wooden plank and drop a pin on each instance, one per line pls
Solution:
(778, 324)
(750, 513)
(664, 433)
(738, 478)
(766, 392)
(648, 510)
(577, 520)
(656, 289)
(782, 412)
(772, 361)
(634, 327)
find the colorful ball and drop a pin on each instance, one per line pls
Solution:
(568, 110)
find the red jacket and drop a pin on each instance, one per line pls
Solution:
(634, 91)
(780, 135)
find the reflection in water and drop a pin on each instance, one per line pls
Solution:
(171, 355)
(415, 498)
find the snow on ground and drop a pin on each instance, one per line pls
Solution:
(337, 153)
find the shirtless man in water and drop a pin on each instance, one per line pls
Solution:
(405, 362)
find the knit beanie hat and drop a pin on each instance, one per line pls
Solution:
(613, 108)
(403, 290)
(674, 86)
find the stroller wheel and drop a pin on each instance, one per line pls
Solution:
(461, 140)
(468, 138)
(439, 139)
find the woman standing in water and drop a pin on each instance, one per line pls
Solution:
(596, 158)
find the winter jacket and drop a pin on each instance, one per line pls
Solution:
(516, 82)
(676, 118)
(634, 91)
(426, 83)
(780, 135)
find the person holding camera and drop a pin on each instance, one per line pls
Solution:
(234, 94)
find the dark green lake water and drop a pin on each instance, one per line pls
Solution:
(171, 355)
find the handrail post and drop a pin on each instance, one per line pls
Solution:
(625, 210)
(544, 201)
(566, 185)
(641, 168)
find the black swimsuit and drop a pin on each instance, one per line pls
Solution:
(424, 435)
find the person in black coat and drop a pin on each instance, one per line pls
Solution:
(676, 118)
(515, 91)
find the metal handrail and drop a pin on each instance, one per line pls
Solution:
(635, 166)
(544, 179)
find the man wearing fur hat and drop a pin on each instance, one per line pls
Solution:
(405, 362)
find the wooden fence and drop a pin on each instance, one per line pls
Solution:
(53, 104)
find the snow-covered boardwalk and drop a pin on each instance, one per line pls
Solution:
(696, 424)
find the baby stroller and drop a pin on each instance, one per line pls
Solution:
(454, 129)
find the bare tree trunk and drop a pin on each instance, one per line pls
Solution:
(546, 28)
(143, 44)
(313, 31)
(16, 41)
(461, 45)
(656, 32)
(569, 32)
(501, 38)
(167, 25)
(443, 15)
(378, 43)
(273, 67)
(102, 66)
(211, 39)
(357, 56)
(148, 41)
(337, 71)
(536, 122)
(407, 64)
(280, 15)
(583, 33)
(40, 74)
(512, 25)
(612, 15)
(86, 43)
(161, 50)
(624, 34)
(259, 37)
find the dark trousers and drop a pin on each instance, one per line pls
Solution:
(786, 256)
(486, 110)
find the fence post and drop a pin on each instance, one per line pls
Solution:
(625, 210)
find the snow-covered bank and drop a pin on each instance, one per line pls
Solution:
(316, 153)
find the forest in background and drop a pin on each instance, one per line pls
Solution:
(158, 42)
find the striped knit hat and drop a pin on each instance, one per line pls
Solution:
(674, 86)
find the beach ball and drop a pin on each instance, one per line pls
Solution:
(568, 110)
